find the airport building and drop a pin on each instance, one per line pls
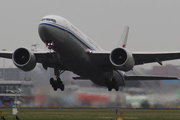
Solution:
(168, 70)
(15, 87)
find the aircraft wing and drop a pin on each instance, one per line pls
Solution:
(53, 62)
(141, 58)
(41, 57)
(6, 54)
(101, 58)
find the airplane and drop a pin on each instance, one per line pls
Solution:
(71, 50)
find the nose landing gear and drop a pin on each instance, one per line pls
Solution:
(57, 83)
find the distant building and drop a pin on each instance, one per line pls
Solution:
(13, 91)
(168, 70)
(14, 74)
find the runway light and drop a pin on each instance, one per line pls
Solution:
(121, 114)
(1, 114)
(2, 117)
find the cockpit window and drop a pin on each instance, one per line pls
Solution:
(48, 19)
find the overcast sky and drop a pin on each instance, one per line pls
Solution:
(154, 24)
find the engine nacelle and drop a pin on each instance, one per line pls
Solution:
(24, 59)
(122, 59)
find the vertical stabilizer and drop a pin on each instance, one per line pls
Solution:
(123, 40)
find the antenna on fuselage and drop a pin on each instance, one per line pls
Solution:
(35, 47)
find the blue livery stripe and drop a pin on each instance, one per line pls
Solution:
(120, 75)
(70, 32)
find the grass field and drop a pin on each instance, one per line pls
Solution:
(91, 114)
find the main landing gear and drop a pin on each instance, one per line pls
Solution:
(112, 84)
(57, 83)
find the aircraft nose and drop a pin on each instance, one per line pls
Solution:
(45, 33)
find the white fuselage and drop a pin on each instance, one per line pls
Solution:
(72, 45)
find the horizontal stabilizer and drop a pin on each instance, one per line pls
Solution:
(80, 78)
(149, 78)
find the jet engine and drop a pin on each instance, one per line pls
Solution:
(122, 59)
(24, 59)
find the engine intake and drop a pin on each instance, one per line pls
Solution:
(118, 56)
(122, 59)
(24, 59)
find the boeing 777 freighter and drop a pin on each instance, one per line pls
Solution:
(71, 50)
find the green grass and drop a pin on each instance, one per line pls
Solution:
(91, 114)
